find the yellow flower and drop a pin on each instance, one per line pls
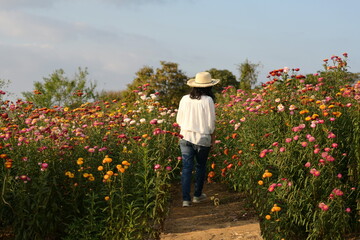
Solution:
(304, 111)
(110, 173)
(106, 177)
(260, 182)
(80, 161)
(91, 178)
(308, 118)
(71, 175)
(107, 198)
(267, 217)
(331, 106)
(322, 107)
(318, 102)
(100, 168)
(86, 175)
(66, 109)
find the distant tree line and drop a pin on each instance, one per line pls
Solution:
(168, 82)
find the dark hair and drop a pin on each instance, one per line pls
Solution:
(197, 92)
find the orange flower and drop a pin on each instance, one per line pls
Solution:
(267, 217)
(211, 174)
(213, 165)
(226, 151)
(337, 114)
(107, 159)
(234, 135)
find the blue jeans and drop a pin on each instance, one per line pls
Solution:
(189, 151)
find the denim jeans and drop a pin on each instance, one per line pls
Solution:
(189, 152)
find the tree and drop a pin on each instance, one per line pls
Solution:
(59, 90)
(226, 79)
(248, 74)
(168, 81)
(3, 85)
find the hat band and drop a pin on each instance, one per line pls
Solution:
(202, 83)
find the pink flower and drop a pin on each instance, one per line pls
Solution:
(334, 145)
(331, 135)
(154, 121)
(275, 144)
(308, 164)
(316, 150)
(323, 206)
(157, 166)
(168, 168)
(339, 175)
(330, 158)
(295, 129)
(282, 149)
(311, 139)
(338, 192)
(348, 210)
(304, 144)
(332, 119)
(327, 149)
(324, 154)
(91, 150)
(296, 137)
(288, 140)
(262, 154)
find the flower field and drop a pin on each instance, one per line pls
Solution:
(104, 170)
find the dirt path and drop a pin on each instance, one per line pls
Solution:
(224, 215)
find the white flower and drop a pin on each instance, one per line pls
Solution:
(132, 122)
(281, 107)
(143, 120)
(286, 69)
(127, 120)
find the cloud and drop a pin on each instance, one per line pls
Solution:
(38, 45)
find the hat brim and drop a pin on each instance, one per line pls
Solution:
(192, 83)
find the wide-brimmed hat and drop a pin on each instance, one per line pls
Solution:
(202, 79)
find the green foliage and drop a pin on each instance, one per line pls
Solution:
(295, 151)
(226, 79)
(103, 170)
(59, 90)
(168, 82)
(248, 74)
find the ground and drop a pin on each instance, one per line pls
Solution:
(224, 215)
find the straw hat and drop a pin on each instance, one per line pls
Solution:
(202, 79)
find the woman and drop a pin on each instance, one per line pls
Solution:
(196, 117)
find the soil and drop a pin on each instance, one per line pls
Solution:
(223, 215)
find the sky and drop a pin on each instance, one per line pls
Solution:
(114, 39)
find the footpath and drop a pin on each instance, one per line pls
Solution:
(224, 215)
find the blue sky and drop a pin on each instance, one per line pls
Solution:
(115, 38)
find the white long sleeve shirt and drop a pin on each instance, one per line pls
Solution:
(197, 119)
